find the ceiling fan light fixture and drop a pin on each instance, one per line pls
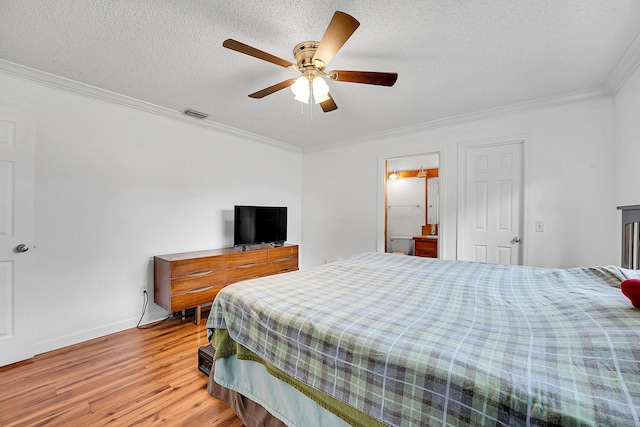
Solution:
(320, 90)
(301, 89)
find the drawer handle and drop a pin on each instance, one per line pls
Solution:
(248, 265)
(200, 273)
(194, 291)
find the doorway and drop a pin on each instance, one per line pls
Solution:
(411, 202)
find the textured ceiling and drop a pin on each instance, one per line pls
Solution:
(452, 57)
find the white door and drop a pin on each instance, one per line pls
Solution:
(17, 144)
(491, 206)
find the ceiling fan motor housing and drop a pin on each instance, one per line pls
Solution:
(303, 53)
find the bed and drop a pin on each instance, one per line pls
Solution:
(385, 339)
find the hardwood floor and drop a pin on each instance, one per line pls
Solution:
(142, 377)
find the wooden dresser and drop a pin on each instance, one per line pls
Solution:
(426, 246)
(191, 279)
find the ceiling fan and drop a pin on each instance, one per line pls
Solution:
(311, 59)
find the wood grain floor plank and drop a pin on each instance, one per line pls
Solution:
(145, 377)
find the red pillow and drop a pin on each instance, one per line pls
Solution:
(631, 289)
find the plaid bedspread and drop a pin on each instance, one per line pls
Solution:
(416, 341)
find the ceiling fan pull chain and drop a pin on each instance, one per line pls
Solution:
(311, 101)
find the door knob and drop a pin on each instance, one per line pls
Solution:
(516, 240)
(22, 248)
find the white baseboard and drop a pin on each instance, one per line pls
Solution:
(89, 334)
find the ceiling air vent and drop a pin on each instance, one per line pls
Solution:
(194, 113)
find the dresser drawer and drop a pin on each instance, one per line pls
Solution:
(283, 252)
(282, 265)
(245, 272)
(194, 298)
(198, 280)
(197, 265)
(246, 258)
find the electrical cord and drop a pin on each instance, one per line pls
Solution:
(144, 309)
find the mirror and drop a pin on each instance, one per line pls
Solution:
(433, 200)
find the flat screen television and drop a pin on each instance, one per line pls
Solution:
(259, 224)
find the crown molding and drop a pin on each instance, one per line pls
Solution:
(57, 82)
(621, 73)
(507, 110)
(625, 68)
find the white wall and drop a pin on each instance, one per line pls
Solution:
(115, 186)
(569, 181)
(627, 172)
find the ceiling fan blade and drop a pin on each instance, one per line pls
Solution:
(366, 77)
(256, 53)
(336, 35)
(329, 104)
(271, 89)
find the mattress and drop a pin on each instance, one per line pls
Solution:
(416, 341)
